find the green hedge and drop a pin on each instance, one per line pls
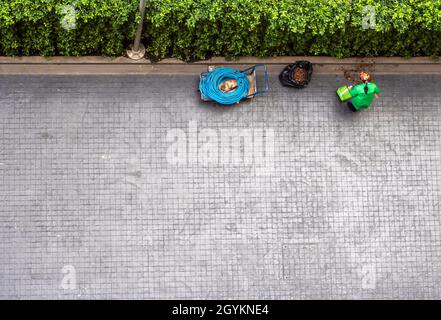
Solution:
(35, 27)
(196, 29)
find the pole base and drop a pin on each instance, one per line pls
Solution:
(136, 55)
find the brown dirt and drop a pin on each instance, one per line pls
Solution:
(300, 74)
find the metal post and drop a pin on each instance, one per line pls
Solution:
(137, 50)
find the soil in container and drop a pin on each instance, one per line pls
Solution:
(300, 75)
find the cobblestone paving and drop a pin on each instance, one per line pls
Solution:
(105, 191)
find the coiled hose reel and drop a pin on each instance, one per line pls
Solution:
(209, 85)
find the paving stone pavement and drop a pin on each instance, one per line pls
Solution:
(106, 191)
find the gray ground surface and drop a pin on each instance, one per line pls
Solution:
(92, 207)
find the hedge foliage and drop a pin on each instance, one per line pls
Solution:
(196, 29)
(35, 27)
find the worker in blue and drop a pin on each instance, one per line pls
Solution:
(363, 93)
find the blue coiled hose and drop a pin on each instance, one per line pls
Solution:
(209, 85)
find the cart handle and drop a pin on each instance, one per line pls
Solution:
(250, 70)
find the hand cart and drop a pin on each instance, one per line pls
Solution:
(252, 77)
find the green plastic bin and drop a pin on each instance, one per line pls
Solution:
(344, 94)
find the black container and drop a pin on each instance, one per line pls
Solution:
(286, 76)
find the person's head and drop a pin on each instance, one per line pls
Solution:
(364, 76)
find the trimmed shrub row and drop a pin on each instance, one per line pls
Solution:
(193, 29)
(197, 29)
(66, 27)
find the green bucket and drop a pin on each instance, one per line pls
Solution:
(344, 94)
